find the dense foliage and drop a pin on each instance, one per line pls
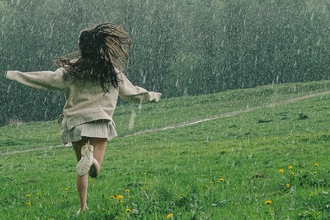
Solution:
(186, 47)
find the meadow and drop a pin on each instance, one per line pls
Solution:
(259, 153)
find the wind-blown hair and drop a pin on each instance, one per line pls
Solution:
(102, 49)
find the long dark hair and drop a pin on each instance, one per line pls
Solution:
(102, 49)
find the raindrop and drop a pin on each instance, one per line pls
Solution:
(132, 120)
(140, 107)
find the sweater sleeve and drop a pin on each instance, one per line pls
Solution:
(43, 80)
(135, 94)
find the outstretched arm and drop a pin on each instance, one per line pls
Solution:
(136, 94)
(44, 80)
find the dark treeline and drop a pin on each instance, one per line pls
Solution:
(180, 47)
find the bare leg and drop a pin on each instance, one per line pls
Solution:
(81, 181)
(99, 145)
(82, 185)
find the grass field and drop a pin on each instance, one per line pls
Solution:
(260, 153)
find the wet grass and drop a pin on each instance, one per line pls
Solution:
(266, 163)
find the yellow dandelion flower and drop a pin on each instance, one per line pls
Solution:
(112, 197)
(287, 185)
(281, 170)
(222, 178)
(28, 195)
(144, 173)
(127, 191)
(28, 203)
(292, 173)
(37, 194)
(268, 202)
(314, 173)
(128, 210)
(169, 216)
(120, 197)
(316, 164)
(66, 189)
(290, 167)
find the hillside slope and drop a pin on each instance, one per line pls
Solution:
(258, 153)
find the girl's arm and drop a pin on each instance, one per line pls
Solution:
(131, 93)
(44, 80)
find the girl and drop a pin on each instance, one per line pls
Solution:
(91, 85)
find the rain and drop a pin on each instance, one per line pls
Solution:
(234, 116)
(180, 48)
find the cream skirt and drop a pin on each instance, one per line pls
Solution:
(97, 129)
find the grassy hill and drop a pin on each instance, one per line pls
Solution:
(258, 153)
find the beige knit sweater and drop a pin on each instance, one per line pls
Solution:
(85, 102)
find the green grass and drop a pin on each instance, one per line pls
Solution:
(225, 168)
